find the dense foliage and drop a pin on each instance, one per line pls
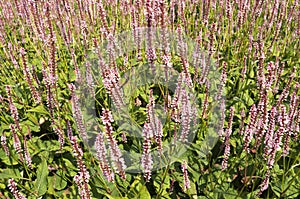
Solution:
(230, 122)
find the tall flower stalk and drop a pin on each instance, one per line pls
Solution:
(83, 176)
(227, 137)
(115, 152)
(146, 156)
(186, 180)
(12, 186)
(102, 157)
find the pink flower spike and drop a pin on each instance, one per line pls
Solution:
(186, 181)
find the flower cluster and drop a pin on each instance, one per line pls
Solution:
(146, 156)
(77, 112)
(102, 157)
(115, 152)
(4, 144)
(227, 137)
(16, 141)
(154, 122)
(248, 134)
(185, 116)
(29, 78)
(186, 181)
(27, 154)
(13, 109)
(83, 176)
(12, 185)
(111, 83)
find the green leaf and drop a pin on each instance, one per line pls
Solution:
(41, 183)
(51, 187)
(8, 160)
(144, 193)
(10, 173)
(60, 181)
(39, 109)
(232, 142)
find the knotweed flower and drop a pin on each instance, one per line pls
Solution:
(205, 103)
(211, 39)
(185, 116)
(154, 122)
(271, 75)
(146, 156)
(274, 13)
(270, 133)
(168, 64)
(229, 12)
(83, 176)
(35, 16)
(196, 62)
(248, 135)
(296, 127)
(277, 138)
(243, 116)
(291, 119)
(273, 141)
(77, 112)
(261, 79)
(111, 83)
(263, 117)
(222, 81)
(177, 97)
(278, 26)
(52, 48)
(227, 137)
(12, 186)
(138, 37)
(60, 134)
(50, 98)
(89, 79)
(116, 155)
(186, 181)
(182, 48)
(102, 13)
(102, 157)
(265, 184)
(158, 134)
(4, 144)
(29, 78)
(26, 154)
(12, 107)
(124, 138)
(150, 109)
(17, 143)
(291, 11)
(69, 130)
(204, 70)
(151, 55)
(221, 128)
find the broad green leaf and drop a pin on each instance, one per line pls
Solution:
(50, 185)
(144, 193)
(10, 173)
(60, 180)
(39, 109)
(41, 183)
(8, 160)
